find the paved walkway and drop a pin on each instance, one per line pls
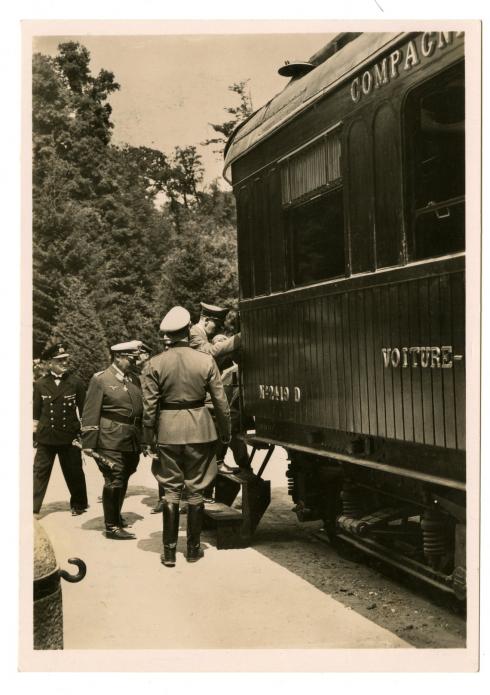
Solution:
(232, 599)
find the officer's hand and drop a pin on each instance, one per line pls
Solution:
(225, 440)
(89, 452)
(146, 450)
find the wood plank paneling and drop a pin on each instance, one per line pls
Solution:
(425, 371)
(370, 360)
(447, 375)
(339, 357)
(334, 386)
(354, 352)
(414, 340)
(436, 373)
(403, 312)
(348, 371)
(459, 348)
(330, 347)
(363, 361)
(326, 366)
(395, 398)
(380, 330)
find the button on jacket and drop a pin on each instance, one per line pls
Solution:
(111, 395)
(178, 376)
(55, 407)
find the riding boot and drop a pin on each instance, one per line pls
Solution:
(194, 525)
(122, 495)
(170, 532)
(111, 515)
(111, 504)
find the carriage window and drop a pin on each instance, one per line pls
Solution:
(311, 186)
(435, 122)
(318, 239)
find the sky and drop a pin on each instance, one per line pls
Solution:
(173, 86)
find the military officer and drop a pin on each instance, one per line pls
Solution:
(57, 397)
(201, 334)
(111, 429)
(229, 378)
(174, 390)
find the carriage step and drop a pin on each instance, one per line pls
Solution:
(228, 524)
(256, 496)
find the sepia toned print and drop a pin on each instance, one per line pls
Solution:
(250, 349)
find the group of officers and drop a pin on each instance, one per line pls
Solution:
(174, 406)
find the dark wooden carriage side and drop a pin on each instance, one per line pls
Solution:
(363, 436)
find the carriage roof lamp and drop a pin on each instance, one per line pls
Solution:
(295, 68)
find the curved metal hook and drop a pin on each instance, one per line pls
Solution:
(82, 571)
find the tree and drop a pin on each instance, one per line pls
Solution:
(78, 324)
(104, 256)
(238, 114)
(200, 267)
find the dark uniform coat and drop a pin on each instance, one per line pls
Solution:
(178, 376)
(55, 407)
(198, 340)
(109, 396)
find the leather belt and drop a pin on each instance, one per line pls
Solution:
(183, 405)
(124, 419)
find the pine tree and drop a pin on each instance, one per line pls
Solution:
(78, 325)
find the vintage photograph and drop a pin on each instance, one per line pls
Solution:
(249, 341)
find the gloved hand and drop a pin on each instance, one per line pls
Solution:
(146, 450)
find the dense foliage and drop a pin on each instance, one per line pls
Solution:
(120, 234)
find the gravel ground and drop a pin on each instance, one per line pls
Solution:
(416, 614)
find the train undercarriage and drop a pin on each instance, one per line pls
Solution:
(412, 525)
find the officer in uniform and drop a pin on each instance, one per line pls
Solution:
(57, 397)
(175, 386)
(202, 333)
(229, 378)
(111, 431)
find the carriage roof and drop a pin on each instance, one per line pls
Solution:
(302, 92)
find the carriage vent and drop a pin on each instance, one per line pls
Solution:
(312, 168)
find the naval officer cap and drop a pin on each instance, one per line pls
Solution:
(128, 349)
(175, 321)
(217, 313)
(55, 352)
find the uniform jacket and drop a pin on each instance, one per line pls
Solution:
(199, 341)
(111, 394)
(55, 407)
(181, 375)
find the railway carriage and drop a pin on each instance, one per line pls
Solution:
(350, 190)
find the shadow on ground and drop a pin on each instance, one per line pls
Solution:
(97, 524)
(53, 507)
(153, 543)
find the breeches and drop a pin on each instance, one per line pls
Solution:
(124, 464)
(186, 466)
(71, 467)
